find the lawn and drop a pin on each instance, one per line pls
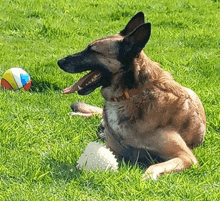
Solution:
(40, 143)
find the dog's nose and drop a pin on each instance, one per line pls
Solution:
(61, 62)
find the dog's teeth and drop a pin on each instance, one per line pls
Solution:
(79, 88)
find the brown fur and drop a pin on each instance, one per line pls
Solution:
(156, 116)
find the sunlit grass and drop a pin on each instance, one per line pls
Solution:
(40, 143)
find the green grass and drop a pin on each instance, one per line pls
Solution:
(40, 143)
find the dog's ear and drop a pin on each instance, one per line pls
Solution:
(130, 47)
(135, 21)
(135, 41)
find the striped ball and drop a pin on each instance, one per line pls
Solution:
(16, 78)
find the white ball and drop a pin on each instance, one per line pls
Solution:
(97, 156)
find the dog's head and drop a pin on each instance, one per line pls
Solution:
(107, 56)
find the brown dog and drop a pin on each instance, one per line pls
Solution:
(145, 110)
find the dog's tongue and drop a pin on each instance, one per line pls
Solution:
(79, 84)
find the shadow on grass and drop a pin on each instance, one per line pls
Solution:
(43, 85)
(68, 172)
(143, 158)
(61, 170)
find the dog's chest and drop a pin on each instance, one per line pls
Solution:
(113, 120)
(119, 124)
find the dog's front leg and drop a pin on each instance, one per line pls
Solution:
(170, 145)
(176, 164)
(85, 110)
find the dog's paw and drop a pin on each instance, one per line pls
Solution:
(80, 114)
(152, 176)
(153, 172)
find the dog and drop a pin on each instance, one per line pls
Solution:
(146, 112)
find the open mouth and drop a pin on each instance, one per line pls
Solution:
(86, 84)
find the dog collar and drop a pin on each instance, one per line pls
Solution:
(126, 95)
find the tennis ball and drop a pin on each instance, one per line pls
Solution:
(16, 78)
(97, 156)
